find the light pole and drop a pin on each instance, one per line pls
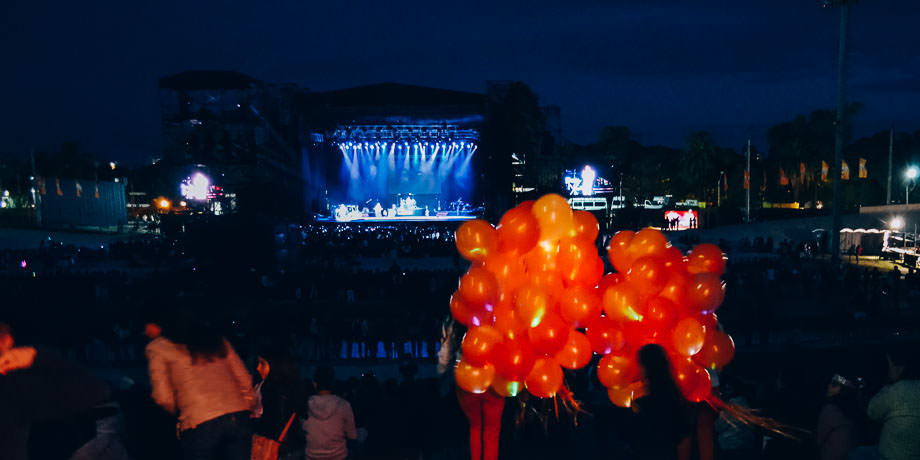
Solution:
(839, 123)
(911, 175)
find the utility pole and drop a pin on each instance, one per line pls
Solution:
(36, 192)
(840, 122)
(719, 190)
(890, 163)
(747, 191)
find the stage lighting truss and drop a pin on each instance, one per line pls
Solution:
(412, 134)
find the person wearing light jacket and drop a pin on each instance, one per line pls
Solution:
(330, 423)
(897, 407)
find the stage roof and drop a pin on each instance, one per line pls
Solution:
(396, 94)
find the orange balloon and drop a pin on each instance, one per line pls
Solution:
(549, 336)
(688, 336)
(647, 242)
(550, 281)
(514, 359)
(476, 240)
(479, 345)
(507, 322)
(610, 279)
(466, 315)
(693, 380)
(508, 269)
(478, 287)
(705, 293)
(506, 388)
(586, 227)
(617, 370)
(579, 304)
(526, 205)
(605, 336)
(576, 353)
(706, 258)
(518, 231)
(474, 379)
(703, 387)
(622, 303)
(545, 379)
(647, 274)
(577, 262)
(718, 350)
(675, 289)
(661, 314)
(710, 321)
(543, 257)
(622, 397)
(532, 303)
(554, 215)
(616, 250)
(674, 261)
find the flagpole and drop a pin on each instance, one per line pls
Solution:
(747, 208)
(890, 165)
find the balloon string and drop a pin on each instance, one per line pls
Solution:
(747, 416)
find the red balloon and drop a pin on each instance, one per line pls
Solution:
(507, 322)
(675, 289)
(686, 374)
(709, 321)
(624, 397)
(508, 269)
(526, 205)
(617, 371)
(479, 345)
(622, 303)
(506, 388)
(647, 242)
(705, 293)
(474, 379)
(514, 359)
(518, 231)
(532, 303)
(674, 261)
(476, 240)
(703, 387)
(545, 379)
(586, 227)
(706, 258)
(542, 258)
(554, 215)
(616, 250)
(549, 336)
(578, 305)
(605, 336)
(660, 317)
(467, 315)
(647, 274)
(479, 287)
(588, 274)
(578, 263)
(688, 336)
(610, 279)
(718, 350)
(576, 353)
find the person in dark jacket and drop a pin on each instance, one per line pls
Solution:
(281, 396)
(38, 385)
(663, 416)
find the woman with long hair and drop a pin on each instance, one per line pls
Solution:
(663, 416)
(196, 375)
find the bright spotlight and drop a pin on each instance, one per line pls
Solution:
(163, 203)
(897, 223)
(912, 173)
(196, 187)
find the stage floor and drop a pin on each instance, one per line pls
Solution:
(397, 219)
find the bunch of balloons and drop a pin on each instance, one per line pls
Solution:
(536, 300)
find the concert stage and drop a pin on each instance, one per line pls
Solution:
(398, 219)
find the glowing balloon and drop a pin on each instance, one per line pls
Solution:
(605, 336)
(688, 336)
(514, 359)
(675, 289)
(586, 227)
(718, 350)
(577, 262)
(705, 293)
(702, 389)
(476, 240)
(507, 322)
(617, 250)
(554, 215)
(532, 303)
(548, 280)
(617, 371)
(542, 258)
(508, 269)
(474, 379)
(648, 275)
(647, 242)
(549, 336)
(693, 380)
(526, 205)
(506, 388)
(623, 303)
(518, 231)
(578, 305)
(622, 397)
(479, 345)
(545, 378)
(467, 315)
(610, 279)
(576, 353)
(659, 319)
(706, 258)
(479, 287)
(674, 261)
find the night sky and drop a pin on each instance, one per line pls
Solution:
(87, 71)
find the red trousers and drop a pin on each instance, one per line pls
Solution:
(485, 415)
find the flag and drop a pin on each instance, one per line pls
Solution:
(783, 180)
(41, 186)
(863, 172)
(97, 190)
(844, 171)
(824, 169)
(802, 172)
(57, 183)
(725, 182)
(747, 179)
(79, 188)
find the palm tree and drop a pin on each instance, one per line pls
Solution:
(698, 158)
